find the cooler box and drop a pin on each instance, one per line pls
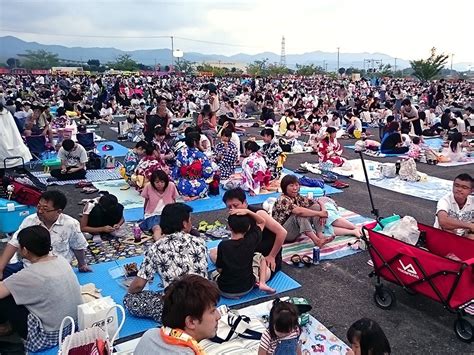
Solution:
(12, 214)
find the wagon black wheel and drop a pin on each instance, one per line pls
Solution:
(464, 330)
(384, 297)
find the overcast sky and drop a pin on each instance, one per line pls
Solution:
(404, 28)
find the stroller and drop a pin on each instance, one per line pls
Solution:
(440, 266)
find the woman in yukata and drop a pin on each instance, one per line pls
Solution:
(255, 173)
(192, 169)
(330, 149)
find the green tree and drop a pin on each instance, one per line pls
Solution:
(308, 70)
(93, 62)
(278, 70)
(13, 62)
(40, 59)
(124, 62)
(185, 66)
(258, 68)
(428, 69)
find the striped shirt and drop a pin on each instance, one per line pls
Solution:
(269, 345)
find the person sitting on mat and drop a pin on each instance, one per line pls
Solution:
(239, 267)
(283, 333)
(67, 238)
(73, 158)
(103, 216)
(34, 301)
(271, 152)
(367, 337)
(189, 315)
(158, 193)
(336, 225)
(299, 214)
(455, 211)
(175, 254)
(132, 158)
(273, 234)
(392, 142)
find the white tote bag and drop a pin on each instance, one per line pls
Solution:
(96, 314)
(89, 335)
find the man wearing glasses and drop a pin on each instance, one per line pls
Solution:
(455, 211)
(67, 239)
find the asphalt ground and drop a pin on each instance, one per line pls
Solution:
(340, 291)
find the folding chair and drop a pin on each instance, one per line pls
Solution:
(38, 147)
(87, 140)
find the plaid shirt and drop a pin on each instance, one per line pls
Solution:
(40, 339)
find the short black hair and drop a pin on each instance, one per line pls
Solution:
(370, 335)
(57, 197)
(416, 140)
(237, 193)
(36, 239)
(406, 102)
(267, 132)
(159, 175)
(173, 216)
(191, 295)
(192, 139)
(286, 181)
(239, 224)
(68, 144)
(160, 131)
(226, 132)
(465, 177)
(141, 144)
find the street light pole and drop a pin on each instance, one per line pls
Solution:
(452, 55)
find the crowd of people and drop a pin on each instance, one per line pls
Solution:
(187, 132)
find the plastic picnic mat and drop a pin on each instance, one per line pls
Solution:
(133, 202)
(315, 337)
(91, 176)
(432, 189)
(108, 277)
(117, 151)
(336, 249)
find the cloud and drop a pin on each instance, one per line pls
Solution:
(404, 28)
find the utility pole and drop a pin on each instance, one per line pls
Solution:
(395, 70)
(172, 51)
(452, 55)
(337, 60)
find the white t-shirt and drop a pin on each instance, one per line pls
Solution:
(448, 204)
(75, 157)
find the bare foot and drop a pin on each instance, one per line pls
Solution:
(190, 198)
(265, 288)
(323, 241)
(358, 232)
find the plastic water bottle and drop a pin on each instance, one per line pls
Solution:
(137, 233)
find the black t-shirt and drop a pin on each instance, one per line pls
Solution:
(267, 242)
(390, 142)
(235, 258)
(100, 217)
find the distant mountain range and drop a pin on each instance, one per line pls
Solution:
(12, 46)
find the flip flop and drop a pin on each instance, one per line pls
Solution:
(296, 260)
(307, 261)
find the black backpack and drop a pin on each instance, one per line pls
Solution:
(94, 162)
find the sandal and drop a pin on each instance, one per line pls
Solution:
(82, 184)
(89, 190)
(307, 261)
(296, 260)
(340, 185)
(203, 226)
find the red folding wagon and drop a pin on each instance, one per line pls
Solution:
(441, 268)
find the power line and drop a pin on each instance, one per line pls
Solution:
(124, 37)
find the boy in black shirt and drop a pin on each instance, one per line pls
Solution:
(239, 268)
